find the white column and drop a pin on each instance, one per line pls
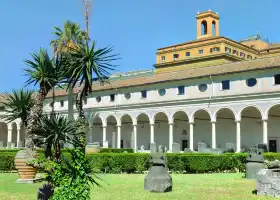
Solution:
(90, 136)
(238, 139)
(104, 137)
(114, 140)
(213, 135)
(18, 137)
(265, 132)
(9, 142)
(119, 136)
(191, 135)
(135, 137)
(152, 140)
(170, 136)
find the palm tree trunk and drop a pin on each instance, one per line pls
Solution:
(33, 118)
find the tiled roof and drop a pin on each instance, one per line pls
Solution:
(191, 73)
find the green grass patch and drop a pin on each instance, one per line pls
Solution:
(230, 186)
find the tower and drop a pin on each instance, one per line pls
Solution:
(207, 24)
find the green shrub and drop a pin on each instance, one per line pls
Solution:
(138, 162)
(113, 150)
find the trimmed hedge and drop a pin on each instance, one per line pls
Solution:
(139, 162)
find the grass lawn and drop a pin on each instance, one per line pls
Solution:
(131, 187)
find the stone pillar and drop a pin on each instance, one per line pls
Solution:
(18, 137)
(213, 135)
(104, 137)
(152, 140)
(238, 139)
(90, 136)
(9, 142)
(119, 136)
(265, 132)
(170, 136)
(135, 137)
(114, 140)
(191, 135)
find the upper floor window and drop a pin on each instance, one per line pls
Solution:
(98, 99)
(85, 100)
(202, 87)
(162, 58)
(112, 97)
(144, 94)
(277, 79)
(181, 90)
(235, 52)
(188, 53)
(242, 54)
(225, 85)
(175, 56)
(200, 51)
(251, 82)
(61, 103)
(249, 57)
(161, 92)
(215, 49)
(228, 50)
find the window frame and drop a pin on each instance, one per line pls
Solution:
(200, 50)
(176, 54)
(112, 99)
(198, 87)
(162, 58)
(274, 79)
(229, 86)
(61, 103)
(144, 96)
(248, 82)
(178, 90)
(189, 54)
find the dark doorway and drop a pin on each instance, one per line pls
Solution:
(121, 144)
(272, 145)
(184, 144)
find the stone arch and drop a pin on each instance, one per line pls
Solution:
(128, 115)
(214, 117)
(127, 133)
(251, 126)
(161, 128)
(214, 28)
(111, 117)
(204, 27)
(269, 108)
(225, 119)
(3, 134)
(177, 111)
(14, 133)
(142, 114)
(157, 113)
(250, 106)
(143, 121)
(200, 109)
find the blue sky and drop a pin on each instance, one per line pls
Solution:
(136, 28)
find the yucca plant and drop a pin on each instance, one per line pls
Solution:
(53, 131)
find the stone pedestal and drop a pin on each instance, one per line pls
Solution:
(268, 182)
(175, 148)
(254, 163)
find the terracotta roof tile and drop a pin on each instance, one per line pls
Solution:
(191, 73)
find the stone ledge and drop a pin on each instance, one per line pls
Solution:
(29, 181)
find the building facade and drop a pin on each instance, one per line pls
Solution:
(213, 90)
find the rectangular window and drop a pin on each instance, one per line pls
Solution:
(112, 97)
(214, 49)
(85, 100)
(188, 54)
(176, 56)
(228, 50)
(225, 85)
(162, 58)
(144, 94)
(235, 52)
(242, 54)
(200, 51)
(181, 90)
(277, 79)
(61, 103)
(249, 57)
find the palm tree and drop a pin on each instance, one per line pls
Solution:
(69, 37)
(85, 63)
(18, 105)
(41, 72)
(52, 132)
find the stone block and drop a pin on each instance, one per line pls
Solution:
(1, 144)
(254, 163)
(201, 147)
(19, 144)
(187, 150)
(268, 182)
(9, 145)
(175, 148)
(13, 145)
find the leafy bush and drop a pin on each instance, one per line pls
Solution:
(138, 162)
(112, 150)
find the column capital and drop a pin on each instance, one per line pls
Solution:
(191, 123)
(213, 122)
(119, 125)
(10, 129)
(134, 124)
(171, 123)
(264, 120)
(152, 124)
(104, 126)
(237, 121)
